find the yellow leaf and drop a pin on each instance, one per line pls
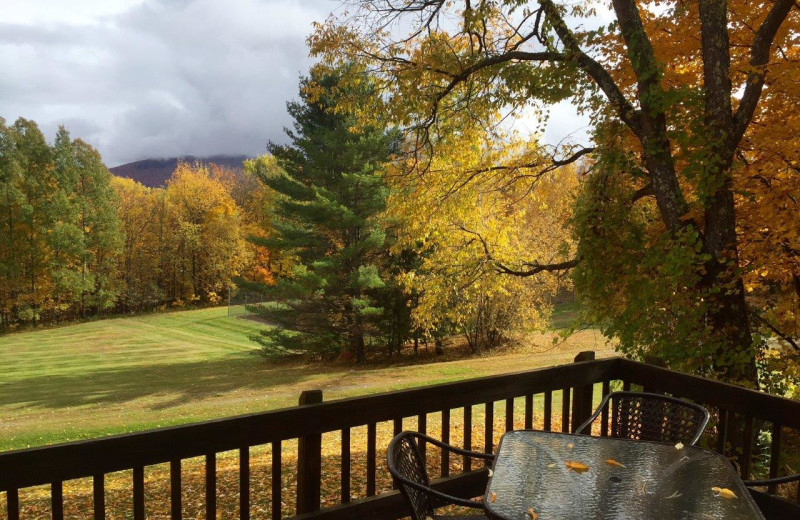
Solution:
(724, 492)
(533, 514)
(579, 467)
(494, 497)
(612, 462)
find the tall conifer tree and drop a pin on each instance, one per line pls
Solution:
(328, 195)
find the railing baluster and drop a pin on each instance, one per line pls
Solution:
(445, 439)
(276, 480)
(548, 411)
(57, 500)
(211, 486)
(371, 455)
(774, 455)
(422, 427)
(467, 436)
(138, 493)
(722, 430)
(604, 412)
(747, 447)
(565, 410)
(529, 412)
(397, 427)
(345, 466)
(175, 489)
(244, 483)
(12, 504)
(99, 496)
(488, 427)
(509, 414)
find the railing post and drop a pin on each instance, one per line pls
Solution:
(582, 395)
(309, 463)
(656, 362)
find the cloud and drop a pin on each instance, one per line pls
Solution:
(158, 78)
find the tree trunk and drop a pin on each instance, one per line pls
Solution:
(724, 290)
(357, 344)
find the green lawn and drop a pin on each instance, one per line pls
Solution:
(129, 374)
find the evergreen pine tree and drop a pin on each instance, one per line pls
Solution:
(327, 196)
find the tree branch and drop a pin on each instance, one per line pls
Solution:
(536, 268)
(533, 268)
(574, 157)
(656, 149)
(777, 332)
(644, 191)
(759, 56)
(624, 109)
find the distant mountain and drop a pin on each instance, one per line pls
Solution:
(155, 172)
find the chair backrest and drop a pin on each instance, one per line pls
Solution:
(655, 417)
(406, 464)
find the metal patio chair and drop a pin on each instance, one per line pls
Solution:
(650, 417)
(409, 473)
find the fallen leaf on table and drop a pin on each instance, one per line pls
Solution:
(551, 465)
(724, 492)
(574, 465)
(494, 497)
(570, 445)
(491, 472)
(679, 446)
(533, 514)
(612, 462)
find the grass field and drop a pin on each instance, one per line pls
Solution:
(135, 373)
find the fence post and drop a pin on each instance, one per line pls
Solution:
(582, 395)
(309, 463)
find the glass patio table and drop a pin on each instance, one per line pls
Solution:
(624, 479)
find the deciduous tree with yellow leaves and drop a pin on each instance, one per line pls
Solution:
(470, 227)
(687, 244)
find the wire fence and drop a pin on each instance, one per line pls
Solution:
(240, 299)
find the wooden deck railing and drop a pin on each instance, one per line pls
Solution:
(739, 414)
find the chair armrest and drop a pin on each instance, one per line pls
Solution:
(771, 481)
(444, 497)
(460, 451)
(587, 424)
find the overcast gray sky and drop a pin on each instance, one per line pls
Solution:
(160, 78)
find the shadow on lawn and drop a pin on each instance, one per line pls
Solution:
(179, 383)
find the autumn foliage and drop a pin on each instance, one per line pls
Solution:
(78, 242)
(685, 229)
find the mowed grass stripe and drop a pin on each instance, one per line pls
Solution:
(136, 373)
(123, 342)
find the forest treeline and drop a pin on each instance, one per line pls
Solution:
(352, 257)
(77, 241)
